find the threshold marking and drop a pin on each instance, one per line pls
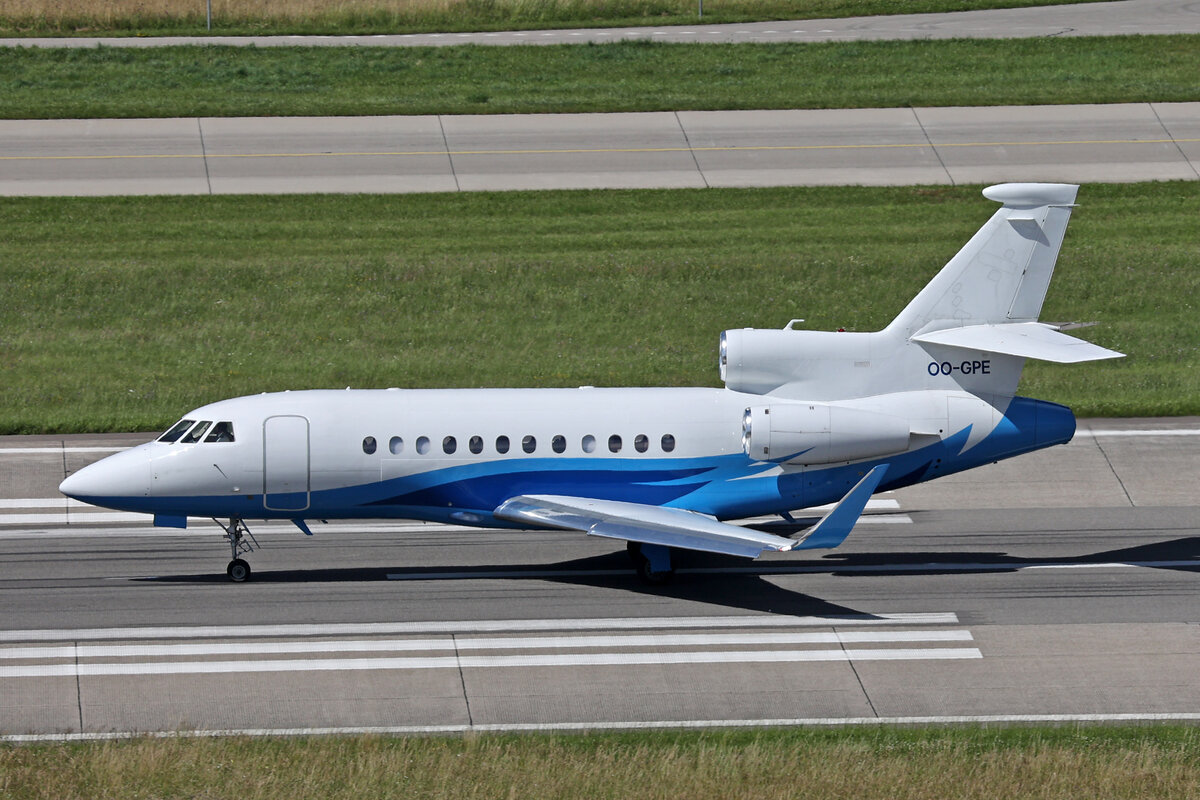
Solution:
(486, 662)
(484, 643)
(477, 626)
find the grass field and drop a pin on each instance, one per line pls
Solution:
(630, 76)
(893, 763)
(172, 17)
(121, 314)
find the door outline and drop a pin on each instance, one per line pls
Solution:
(286, 448)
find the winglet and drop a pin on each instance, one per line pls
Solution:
(835, 526)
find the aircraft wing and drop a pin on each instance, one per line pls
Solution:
(676, 527)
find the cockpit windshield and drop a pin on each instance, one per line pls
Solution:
(177, 430)
(195, 432)
(221, 432)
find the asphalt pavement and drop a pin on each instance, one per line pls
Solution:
(686, 149)
(1060, 585)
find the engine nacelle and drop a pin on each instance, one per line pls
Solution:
(759, 361)
(819, 433)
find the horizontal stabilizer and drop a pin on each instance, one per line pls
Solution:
(835, 526)
(635, 522)
(1023, 339)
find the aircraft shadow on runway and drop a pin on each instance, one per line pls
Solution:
(742, 590)
(1177, 554)
(731, 582)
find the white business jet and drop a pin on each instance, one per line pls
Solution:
(806, 418)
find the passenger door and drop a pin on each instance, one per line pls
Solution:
(285, 463)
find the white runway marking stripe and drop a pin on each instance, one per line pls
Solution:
(483, 662)
(683, 724)
(33, 451)
(479, 626)
(1147, 432)
(460, 644)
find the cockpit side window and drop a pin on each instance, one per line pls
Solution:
(221, 432)
(177, 430)
(195, 434)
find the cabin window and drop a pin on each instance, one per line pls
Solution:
(177, 430)
(529, 444)
(369, 445)
(475, 445)
(396, 445)
(501, 444)
(449, 445)
(221, 432)
(559, 444)
(614, 443)
(641, 443)
(589, 444)
(196, 433)
(668, 443)
(423, 445)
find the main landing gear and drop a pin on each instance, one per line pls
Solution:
(238, 570)
(652, 562)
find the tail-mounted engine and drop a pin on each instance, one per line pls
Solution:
(819, 433)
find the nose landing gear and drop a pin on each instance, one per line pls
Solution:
(238, 569)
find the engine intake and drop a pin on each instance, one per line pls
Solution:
(819, 433)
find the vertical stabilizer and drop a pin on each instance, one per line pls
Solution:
(1002, 273)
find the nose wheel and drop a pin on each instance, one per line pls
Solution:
(238, 570)
(236, 533)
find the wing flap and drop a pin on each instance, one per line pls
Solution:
(835, 526)
(635, 522)
(1023, 339)
(677, 527)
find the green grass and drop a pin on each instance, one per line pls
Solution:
(630, 76)
(894, 763)
(234, 17)
(121, 314)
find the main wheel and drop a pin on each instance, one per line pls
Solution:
(651, 577)
(238, 570)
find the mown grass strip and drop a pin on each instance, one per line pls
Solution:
(121, 314)
(343, 17)
(627, 76)
(894, 763)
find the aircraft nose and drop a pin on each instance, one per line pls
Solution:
(123, 475)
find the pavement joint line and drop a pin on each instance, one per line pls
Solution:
(599, 150)
(603, 725)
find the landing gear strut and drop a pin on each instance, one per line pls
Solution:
(238, 570)
(652, 562)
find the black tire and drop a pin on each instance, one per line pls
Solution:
(238, 570)
(652, 578)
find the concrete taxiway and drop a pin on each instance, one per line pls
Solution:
(1144, 17)
(1059, 585)
(686, 149)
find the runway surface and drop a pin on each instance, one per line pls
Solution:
(1088, 19)
(686, 149)
(1059, 585)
